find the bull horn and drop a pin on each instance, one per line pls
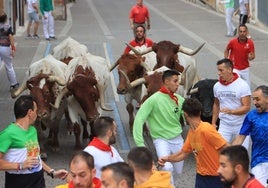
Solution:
(188, 51)
(59, 80)
(183, 76)
(193, 91)
(124, 74)
(146, 51)
(137, 82)
(113, 66)
(18, 91)
(102, 101)
(59, 98)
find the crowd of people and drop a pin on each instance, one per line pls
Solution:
(222, 158)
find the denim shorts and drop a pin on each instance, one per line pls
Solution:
(33, 16)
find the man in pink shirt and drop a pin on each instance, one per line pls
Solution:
(139, 15)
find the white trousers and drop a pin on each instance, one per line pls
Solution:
(167, 147)
(244, 74)
(230, 132)
(5, 56)
(260, 172)
(48, 24)
(228, 18)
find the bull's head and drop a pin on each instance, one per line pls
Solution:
(203, 91)
(42, 89)
(166, 54)
(130, 67)
(83, 87)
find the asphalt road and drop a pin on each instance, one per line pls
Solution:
(103, 26)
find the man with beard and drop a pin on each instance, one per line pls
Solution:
(140, 39)
(233, 170)
(101, 146)
(256, 125)
(240, 51)
(82, 172)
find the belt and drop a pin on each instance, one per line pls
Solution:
(139, 23)
(6, 45)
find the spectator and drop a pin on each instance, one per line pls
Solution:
(101, 146)
(256, 125)
(82, 172)
(140, 39)
(232, 101)
(7, 50)
(141, 160)
(229, 11)
(233, 170)
(32, 9)
(244, 11)
(20, 151)
(163, 112)
(240, 51)
(205, 143)
(139, 15)
(46, 8)
(117, 175)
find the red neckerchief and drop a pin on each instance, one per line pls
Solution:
(100, 145)
(96, 183)
(223, 82)
(163, 89)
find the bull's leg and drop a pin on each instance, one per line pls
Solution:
(92, 133)
(41, 139)
(85, 134)
(130, 110)
(77, 132)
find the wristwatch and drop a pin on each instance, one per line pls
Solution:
(51, 173)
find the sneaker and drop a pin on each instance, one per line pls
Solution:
(52, 37)
(14, 86)
(235, 31)
(229, 35)
(28, 37)
(36, 36)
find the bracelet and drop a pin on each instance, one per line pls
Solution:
(21, 166)
(51, 173)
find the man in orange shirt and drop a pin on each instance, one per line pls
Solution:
(205, 142)
(139, 15)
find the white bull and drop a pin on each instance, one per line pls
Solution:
(87, 78)
(68, 49)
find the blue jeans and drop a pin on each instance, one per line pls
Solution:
(208, 181)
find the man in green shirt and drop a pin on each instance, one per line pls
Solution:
(46, 8)
(163, 112)
(229, 11)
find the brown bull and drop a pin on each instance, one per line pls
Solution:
(166, 54)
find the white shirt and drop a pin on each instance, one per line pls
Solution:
(242, 6)
(229, 96)
(30, 7)
(103, 158)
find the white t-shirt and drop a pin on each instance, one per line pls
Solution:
(229, 96)
(30, 3)
(103, 158)
(242, 6)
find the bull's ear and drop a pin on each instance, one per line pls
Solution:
(155, 47)
(176, 48)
